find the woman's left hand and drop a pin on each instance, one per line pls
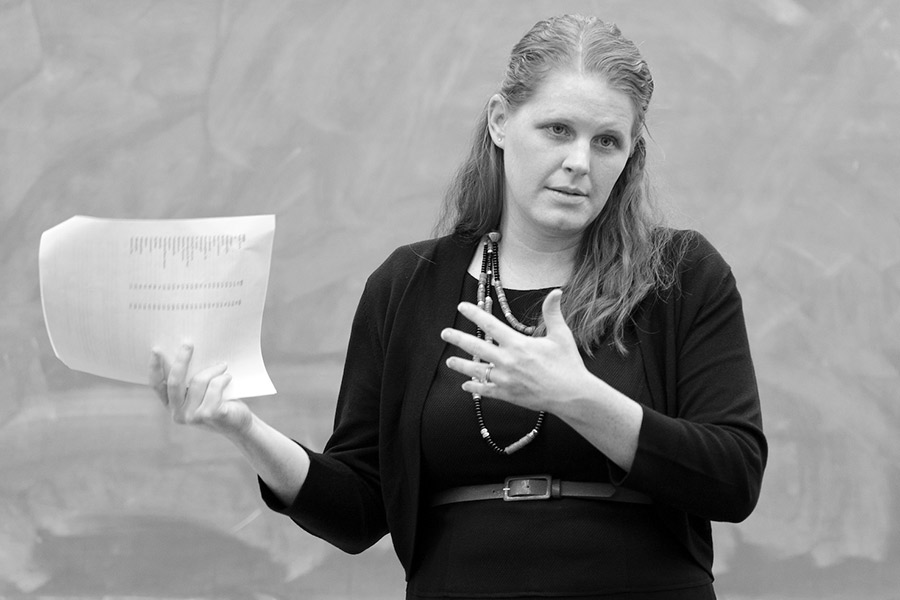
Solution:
(533, 372)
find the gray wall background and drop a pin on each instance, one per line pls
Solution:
(776, 132)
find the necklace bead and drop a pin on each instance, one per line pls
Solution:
(488, 280)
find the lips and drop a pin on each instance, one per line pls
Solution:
(568, 191)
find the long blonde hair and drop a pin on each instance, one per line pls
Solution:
(621, 257)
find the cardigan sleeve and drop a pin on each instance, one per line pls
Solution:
(340, 500)
(705, 454)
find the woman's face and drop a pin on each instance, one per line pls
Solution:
(563, 151)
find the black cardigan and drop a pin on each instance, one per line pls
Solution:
(701, 450)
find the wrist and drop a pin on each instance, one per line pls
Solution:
(244, 428)
(584, 396)
(607, 418)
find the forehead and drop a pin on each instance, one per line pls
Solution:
(583, 97)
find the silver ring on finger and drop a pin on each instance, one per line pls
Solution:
(487, 373)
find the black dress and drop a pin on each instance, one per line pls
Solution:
(559, 548)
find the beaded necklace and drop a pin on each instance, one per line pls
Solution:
(489, 279)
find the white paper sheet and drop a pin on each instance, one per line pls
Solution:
(112, 289)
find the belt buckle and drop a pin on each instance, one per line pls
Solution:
(516, 489)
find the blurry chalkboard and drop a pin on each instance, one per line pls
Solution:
(776, 131)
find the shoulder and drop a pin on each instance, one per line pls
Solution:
(405, 260)
(696, 274)
(701, 287)
(694, 261)
(415, 266)
(425, 271)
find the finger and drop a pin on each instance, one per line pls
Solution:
(198, 390)
(176, 384)
(471, 344)
(553, 317)
(218, 384)
(470, 368)
(159, 374)
(486, 390)
(212, 401)
(491, 325)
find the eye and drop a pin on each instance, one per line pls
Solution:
(557, 129)
(607, 141)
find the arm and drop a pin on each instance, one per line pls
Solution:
(341, 497)
(281, 463)
(547, 373)
(707, 453)
(605, 417)
(704, 457)
(334, 495)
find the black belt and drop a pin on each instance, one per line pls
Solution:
(539, 487)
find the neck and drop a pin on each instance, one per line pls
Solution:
(531, 262)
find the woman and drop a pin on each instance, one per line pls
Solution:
(606, 374)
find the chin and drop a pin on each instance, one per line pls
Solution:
(567, 223)
(564, 228)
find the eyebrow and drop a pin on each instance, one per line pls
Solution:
(611, 125)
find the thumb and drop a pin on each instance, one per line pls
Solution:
(553, 317)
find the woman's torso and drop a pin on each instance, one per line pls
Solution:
(555, 548)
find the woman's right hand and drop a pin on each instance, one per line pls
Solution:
(198, 401)
(280, 462)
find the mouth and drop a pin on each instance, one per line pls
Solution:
(568, 191)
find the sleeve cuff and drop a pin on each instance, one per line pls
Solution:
(273, 501)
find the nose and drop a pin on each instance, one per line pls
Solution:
(578, 158)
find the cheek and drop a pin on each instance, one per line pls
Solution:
(520, 165)
(608, 172)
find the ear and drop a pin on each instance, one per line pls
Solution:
(498, 115)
